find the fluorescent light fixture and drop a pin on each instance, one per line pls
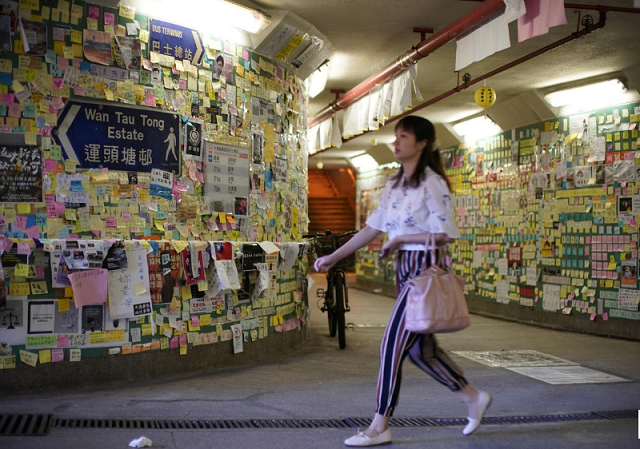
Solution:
(605, 92)
(476, 128)
(318, 80)
(364, 162)
(204, 15)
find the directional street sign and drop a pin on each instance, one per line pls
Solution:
(126, 138)
(177, 41)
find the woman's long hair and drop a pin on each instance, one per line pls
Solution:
(423, 129)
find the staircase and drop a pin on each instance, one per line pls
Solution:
(327, 209)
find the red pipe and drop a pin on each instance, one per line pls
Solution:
(578, 34)
(478, 16)
(486, 10)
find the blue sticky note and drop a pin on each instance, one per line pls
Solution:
(3, 109)
(76, 186)
(6, 79)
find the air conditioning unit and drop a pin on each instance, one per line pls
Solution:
(294, 42)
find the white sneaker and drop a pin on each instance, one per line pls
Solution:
(361, 440)
(484, 401)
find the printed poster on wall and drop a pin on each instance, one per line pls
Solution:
(129, 294)
(194, 142)
(20, 174)
(227, 176)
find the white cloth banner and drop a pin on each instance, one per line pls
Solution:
(325, 135)
(514, 10)
(483, 42)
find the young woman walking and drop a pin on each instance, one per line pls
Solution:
(416, 202)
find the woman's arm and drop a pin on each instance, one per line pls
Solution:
(362, 238)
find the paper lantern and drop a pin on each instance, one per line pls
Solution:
(485, 97)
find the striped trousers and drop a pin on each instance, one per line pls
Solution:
(398, 343)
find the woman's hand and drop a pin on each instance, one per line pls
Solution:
(324, 264)
(389, 248)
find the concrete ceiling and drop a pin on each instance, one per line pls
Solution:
(370, 34)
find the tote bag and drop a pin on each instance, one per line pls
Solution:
(435, 302)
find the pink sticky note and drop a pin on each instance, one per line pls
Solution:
(15, 110)
(633, 222)
(604, 187)
(60, 208)
(89, 286)
(24, 248)
(605, 316)
(183, 339)
(195, 321)
(50, 198)
(7, 99)
(50, 165)
(93, 13)
(57, 355)
(174, 342)
(245, 54)
(39, 273)
(58, 83)
(7, 245)
(182, 84)
(79, 91)
(62, 340)
(20, 222)
(112, 222)
(32, 232)
(109, 18)
(63, 63)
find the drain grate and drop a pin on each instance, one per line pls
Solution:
(25, 425)
(346, 423)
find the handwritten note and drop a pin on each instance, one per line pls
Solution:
(89, 286)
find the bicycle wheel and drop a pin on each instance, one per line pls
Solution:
(339, 301)
(331, 315)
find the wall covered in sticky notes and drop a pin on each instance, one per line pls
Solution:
(130, 145)
(548, 216)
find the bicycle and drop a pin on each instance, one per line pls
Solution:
(336, 296)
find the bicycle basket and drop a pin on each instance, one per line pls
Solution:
(327, 244)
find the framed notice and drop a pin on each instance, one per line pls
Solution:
(20, 171)
(227, 178)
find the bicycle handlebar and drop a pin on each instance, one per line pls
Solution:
(329, 234)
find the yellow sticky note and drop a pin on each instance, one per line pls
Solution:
(185, 292)
(223, 217)
(97, 337)
(144, 36)
(64, 305)
(159, 225)
(45, 356)
(31, 138)
(183, 350)
(179, 245)
(22, 270)
(70, 166)
(203, 286)
(67, 52)
(127, 12)
(205, 320)
(140, 288)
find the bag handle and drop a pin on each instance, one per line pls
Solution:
(430, 245)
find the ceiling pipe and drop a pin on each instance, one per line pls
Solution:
(585, 7)
(480, 15)
(485, 11)
(576, 35)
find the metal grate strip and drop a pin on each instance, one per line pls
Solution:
(14, 423)
(25, 425)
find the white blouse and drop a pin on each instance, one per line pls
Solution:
(404, 210)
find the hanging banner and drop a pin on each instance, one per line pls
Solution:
(20, 174)
(176, 41)
(125, 138)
